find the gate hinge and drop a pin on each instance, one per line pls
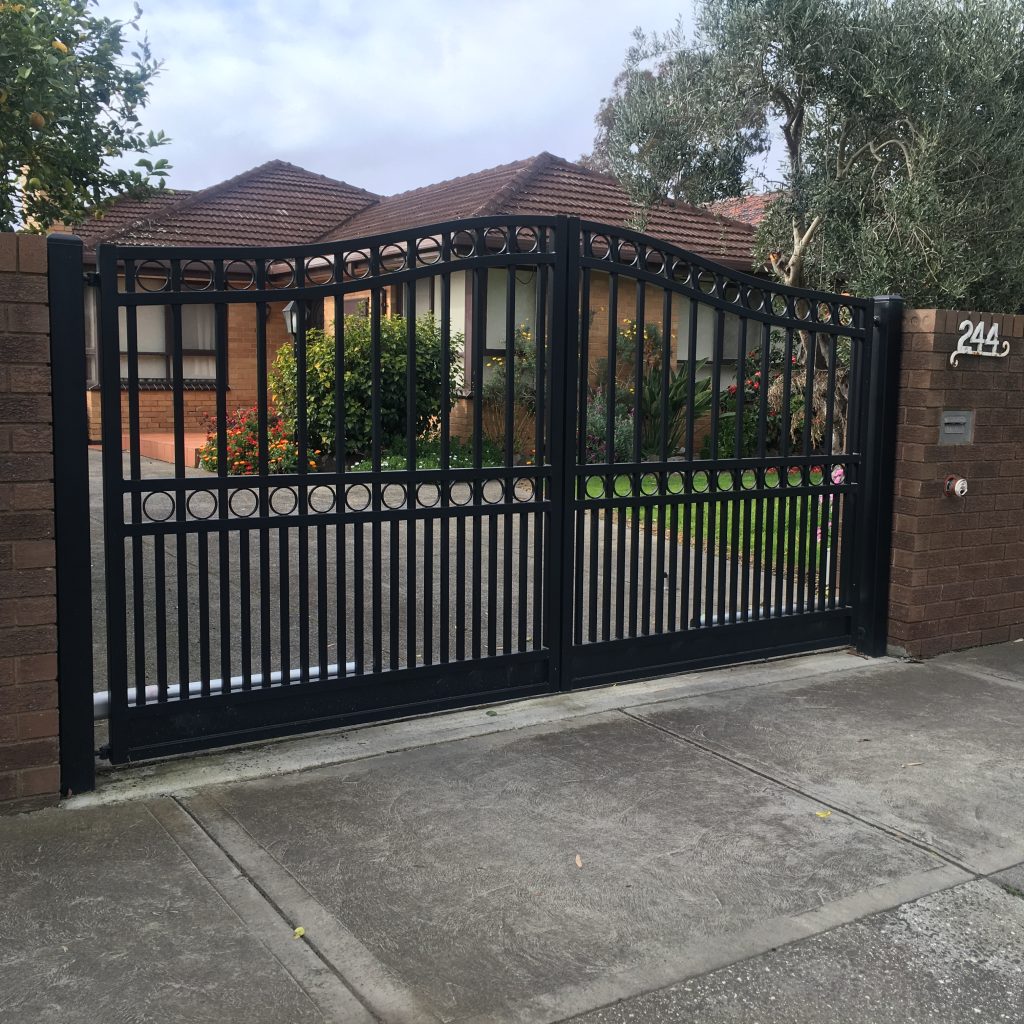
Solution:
(92, 278)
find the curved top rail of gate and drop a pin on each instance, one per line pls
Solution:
(247, 273)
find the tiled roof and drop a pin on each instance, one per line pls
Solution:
(276, 203)
(748, 209)
(549, 185)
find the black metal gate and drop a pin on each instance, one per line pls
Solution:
(468, 462)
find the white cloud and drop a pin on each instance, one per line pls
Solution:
(388, 96)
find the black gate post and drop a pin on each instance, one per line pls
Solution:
(872, 615)
(565, 320)
(71, 512)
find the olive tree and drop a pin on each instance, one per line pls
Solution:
(901, 124)
(70, 100)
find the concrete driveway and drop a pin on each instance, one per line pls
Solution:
(819, 839)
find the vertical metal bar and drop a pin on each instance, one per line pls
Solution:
(135, 473)
(341, 602)
(541, 488)
(663, 475)
(302, 445)
(511, 400)
(66, 298)
(783, 586)
(376, 555)
(579, 478)
(564, 367)
(804, 502)
(479, 341)
(637, 512)
(760, 561)
(688, 508)
(180, 511)
(263, 465)
(740, 507)
(220, 342)
(394, 604)
(203, 585)
(413, 597)
(611, 514)
(885, 321)
(445, 483)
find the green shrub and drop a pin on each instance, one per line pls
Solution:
(320, 383)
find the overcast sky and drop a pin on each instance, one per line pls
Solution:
(387, 95)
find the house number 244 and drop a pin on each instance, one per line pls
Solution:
(974, 341)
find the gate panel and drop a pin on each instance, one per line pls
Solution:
(486, 459)
(718, 469)
(370, 532)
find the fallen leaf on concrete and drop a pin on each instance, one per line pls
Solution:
(299, 932)
(823, 814)
(492, 714)
(579, 861)
(912, 764)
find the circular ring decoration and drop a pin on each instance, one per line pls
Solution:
(428, 251)
(392, 258)
(527, 240)
(748, 479)
(322, 498)
(627, 252)
(675, 482)
(754, 299)
(496, 240)
(730, 291)
(655, 261)
(845, 316)
(158, 506)
(357, 497)
(280, 274)
(770, 476)
(392, 496)
(197, 276)
(461, 492)
(524, 489)
(357, 265)
(243, 502)
(649, 484)
(153, 276)
(320, 270)
(463, 244)
(780, 304)
(240, 275)
(600, 247)
(201, 504)
(428, 494)
(699, 482)
(492, 492)
(283, 501)
(707, 282)
(802, 309)
(824, 313)
(681, 271)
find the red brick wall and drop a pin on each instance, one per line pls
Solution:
(29, 771)
(958, 564)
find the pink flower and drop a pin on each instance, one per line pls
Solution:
(838, 475)
(819, 533)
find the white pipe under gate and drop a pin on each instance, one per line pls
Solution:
(101, 700)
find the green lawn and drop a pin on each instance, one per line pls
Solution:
(730, 517)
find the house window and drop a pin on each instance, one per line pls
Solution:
(155, 343)
(356, 307)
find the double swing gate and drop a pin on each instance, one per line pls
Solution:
(473, 461)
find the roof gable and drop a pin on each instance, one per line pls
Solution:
(550, 186)
(276, 203)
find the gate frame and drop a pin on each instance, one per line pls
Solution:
(877, 404)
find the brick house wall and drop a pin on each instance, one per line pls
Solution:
(958, 564)
(29, 772)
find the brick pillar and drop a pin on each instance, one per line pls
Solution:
(29, 771)
(958, 564)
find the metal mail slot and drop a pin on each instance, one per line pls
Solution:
(956, 427)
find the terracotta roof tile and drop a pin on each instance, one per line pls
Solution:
(747, 209)
(276, 203)
(549, 185)
(127, 211)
